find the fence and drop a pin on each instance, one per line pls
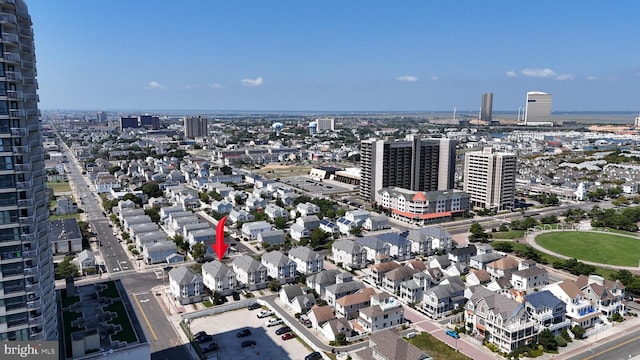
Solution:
(597, 329)
(219, 309)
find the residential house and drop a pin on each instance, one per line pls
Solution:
(250, 273)
(607, 295)
(376, 272)
(462, 255)
(185, 285)
(348, 306)
(65, 205)
(349, 254)
(147, 238)
(319, 281)
(295, 299)
(399, 246)
(373, 247)
(376, 222)
(529, 279)
(65, 237)
(279, 267)
(252, 229)
(236, 216)
(502, 267)
(394, 278)
(206, 236)
(500, 320)
(357, 216)
(389, 345)
(428, 240)
(318, 315)
(157, 252)
(344, 286)
(188, 228)
(481, 261)
(274, 211)
(442, 299)
(307, 261)
(298, 232)
(306, 209)
(333, 327)
(309, 222)
(219, 277)
(385, 312)
(477, 277)
(254, 203)
(329, 226)
(221, 207)
(579, 309)
(268, 238)
(548, 311)
(84, 261)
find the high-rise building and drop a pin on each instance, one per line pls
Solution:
(413, 164)
(326, 124)
(27, 299)
(195, 127)
(490, 179)
(538, 107)
(487, 105)
(149, 122)
(101, 116)
(129, 122)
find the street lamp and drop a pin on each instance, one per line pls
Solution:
(593, 354)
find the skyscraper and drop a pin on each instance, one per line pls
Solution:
(27, 298)
(195, 127)
(490, 179)
(538, 107)
(487, 105)
(414, 164)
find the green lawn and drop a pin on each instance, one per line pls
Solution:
(111, 290)
(511, 234)
(127, 334)
(67, 318)
(437, 349)
(603, 248)
(62, 186)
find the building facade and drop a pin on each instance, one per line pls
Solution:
(414, 164)
(490, 179)
(486, 109)
(195, 127)
(538, 108)
(28, 310)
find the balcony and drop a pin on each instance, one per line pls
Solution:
(25, 30)
(8, 19)
(13, 94)
(35, 321)
(26, 220)
(30, 288)
(29, 80)
(27, 254)
(31, 97)
(10, 38)
(32, 270)
(27, 237)
(16, 113)
(22, 167)
(10, 2)
(20, 150)
(13, 75)
(10, 57)
(25, 203)
(37, 334)
(19, 131)
(33, 112)
(42, 217)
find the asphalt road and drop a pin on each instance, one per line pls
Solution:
(626, 346)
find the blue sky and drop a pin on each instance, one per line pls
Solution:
(335, 55)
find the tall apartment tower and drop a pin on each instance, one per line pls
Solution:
(486, 108)
(414, 164)
(27, 299)
(326, 124)
(490, 179)
(195, 127)
(538, 108)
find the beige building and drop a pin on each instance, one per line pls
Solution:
(490, 179)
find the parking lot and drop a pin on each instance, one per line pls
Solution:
(225, 326)
(324, 187)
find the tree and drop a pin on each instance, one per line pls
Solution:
(66, 269)
(114, 169)
(625, 277)
(198, 250)
(133, 198)
(226, 170)
(279, 203)
(204, 197)
(502, 246)
(280, 222)
(620, 201)
(215, 196)
(548, 340)
(317, 237)
(357, 231)
(274, 285)
(578, 331)
(477, 233)
(151, 189)
(153, 214)
(341, 339)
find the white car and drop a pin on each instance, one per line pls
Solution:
(273, 322)
(265, 313)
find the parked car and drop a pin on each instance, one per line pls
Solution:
(453, 334)
(211, 347)
(265, 313)
(313, 356)
(248, 343)
(254, 306)
(199, 334)
(288, 336)
(283, 330)
(235, 296)
(204, 338)
(243, 333)
(273, 322)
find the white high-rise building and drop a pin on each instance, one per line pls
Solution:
(538, 109)
(490, 179)
(27, 296)
(328, 124)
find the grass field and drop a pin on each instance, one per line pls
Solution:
(511, 234)
(58, 187)
(68, 216)
(602, 248)
(274, 171)
(437, 349)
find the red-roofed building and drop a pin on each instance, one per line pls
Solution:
(420, 207)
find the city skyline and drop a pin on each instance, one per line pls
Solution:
(323, 57)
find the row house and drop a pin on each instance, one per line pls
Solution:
(168, 210)
(384, 312)
(159, 252)
(411, 291)
(148, 238)
(188, 228)
(349, 305)
(344, 286)
(185, 285)
(376, 222)
(374, 248)
(129, 221)
(295, 299)
(251, 230)
(140, 229)
(399, 246)
(394, 278)
(376, 272)
(428, 240)
(205, 236)
(272, 237)
(320, 281)
(279, 267)
(274, 211)
(178, 223)
(548, 311)
(349, 254)
(307, 261)
(125, 212)
(250, 273)
(218, 277)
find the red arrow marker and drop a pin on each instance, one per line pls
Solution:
(220, 247)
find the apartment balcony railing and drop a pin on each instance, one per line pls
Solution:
(22, 167)
(33, 112)
(32, 270)
(26, 220)
(37, 334)
(27, 237)
(14, 94)
(25, 203)
(10, 38)
(19, 131)
(42, 217)
(32, 288)
(10, 2)
(25, 30)
(35, 321)
(16, 113)
(11, 57)
(20, 150)
(34, 127)
(29, 254)
(13, 75)
(24, 185)
(31, 97)
(13, 289)
(8, 19)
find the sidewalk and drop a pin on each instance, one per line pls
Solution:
(173, 316)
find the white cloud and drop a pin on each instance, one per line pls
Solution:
(191, 86)
(538, 73)
(214, 86)
(407, 78)
(434, 78)
(155, 86)
(565, 77)
(511, 73)
(253, 82)
(591, 77)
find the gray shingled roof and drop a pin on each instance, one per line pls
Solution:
(184, 275)
(276, 258)
(216, 269)
(248, 264)
(303, 253)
